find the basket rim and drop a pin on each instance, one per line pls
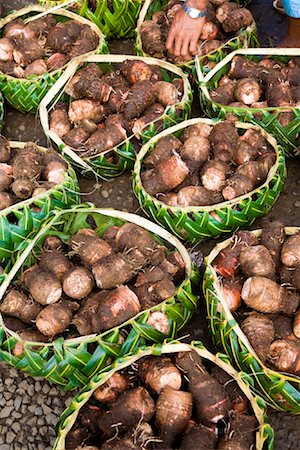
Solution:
(128, 217)
(204, 79)
(166, 348)
(250, 29)
(229, 316)
(59, 87)
(43, 12)
(29, 201)
(226, 204)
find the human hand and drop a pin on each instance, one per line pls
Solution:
(184, 35)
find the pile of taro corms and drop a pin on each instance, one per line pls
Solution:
(27, 172)
(166, 403)
(269, 83)
(224, 20)
(43, 45)
(92, 284)
(207, 165)
(106, 108)
(261, 283)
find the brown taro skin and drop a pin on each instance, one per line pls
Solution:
(236, 186)
(165, 93)
(223, 138)
(128, 410)
(290, 252)
(260, 332)
(141, 96)
(272, 237)
(111, 271)
(200, 437)
(173, 411)
(247, 91)
(151, 114)
(169, 173)
(159, 372)
(76, 137)
(59, 120)
(285, 355)
(214, 174)
(56, 262)
(266, 296)
(119, 305)
(241, 433)
(44, 287)
(78, 283)
(17, 304)
(150, 294)
(109, 391)
(223, 94)
(87, 319)
(54, 319)
(135, 71)
(63, 35)
(212, 401)
(194, 196)
(102, 140)
(152, 38)
(257, 261)
(237, 19)
(28, 162)
(4, 149)
(163, 150)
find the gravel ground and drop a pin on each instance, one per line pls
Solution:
(30, 408)
(29, 411)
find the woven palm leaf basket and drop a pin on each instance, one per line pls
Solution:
(71, 359)
(21, 221)
(245, 38)
(86, 402)
(269, 118)
(113, 162)
(195, 223)
(25, 94)
(115, 18)
(280, 390)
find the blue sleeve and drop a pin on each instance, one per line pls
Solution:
(292, 8)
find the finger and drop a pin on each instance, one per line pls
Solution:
(185, 47)
(170, 40)
(178, 45)
(188, 57)
(193, 46)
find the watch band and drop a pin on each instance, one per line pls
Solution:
(193, 12)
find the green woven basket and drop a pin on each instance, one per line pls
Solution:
(25, 94)
(267, 118)
(196, 223)
(99, 165)
(280, 390)
(20, 222)
(72, 362)
(264, 435)
(246, 38)
(115, 18)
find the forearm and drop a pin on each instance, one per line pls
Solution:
(198, 4)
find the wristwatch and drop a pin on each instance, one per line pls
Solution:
(193, 12)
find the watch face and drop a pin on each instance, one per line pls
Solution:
(193, 14)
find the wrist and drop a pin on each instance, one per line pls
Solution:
(198, 4)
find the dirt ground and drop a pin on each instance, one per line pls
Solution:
(118, 194)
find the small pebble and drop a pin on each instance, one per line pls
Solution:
(10, 436)
(5, 412)
(105, 193)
